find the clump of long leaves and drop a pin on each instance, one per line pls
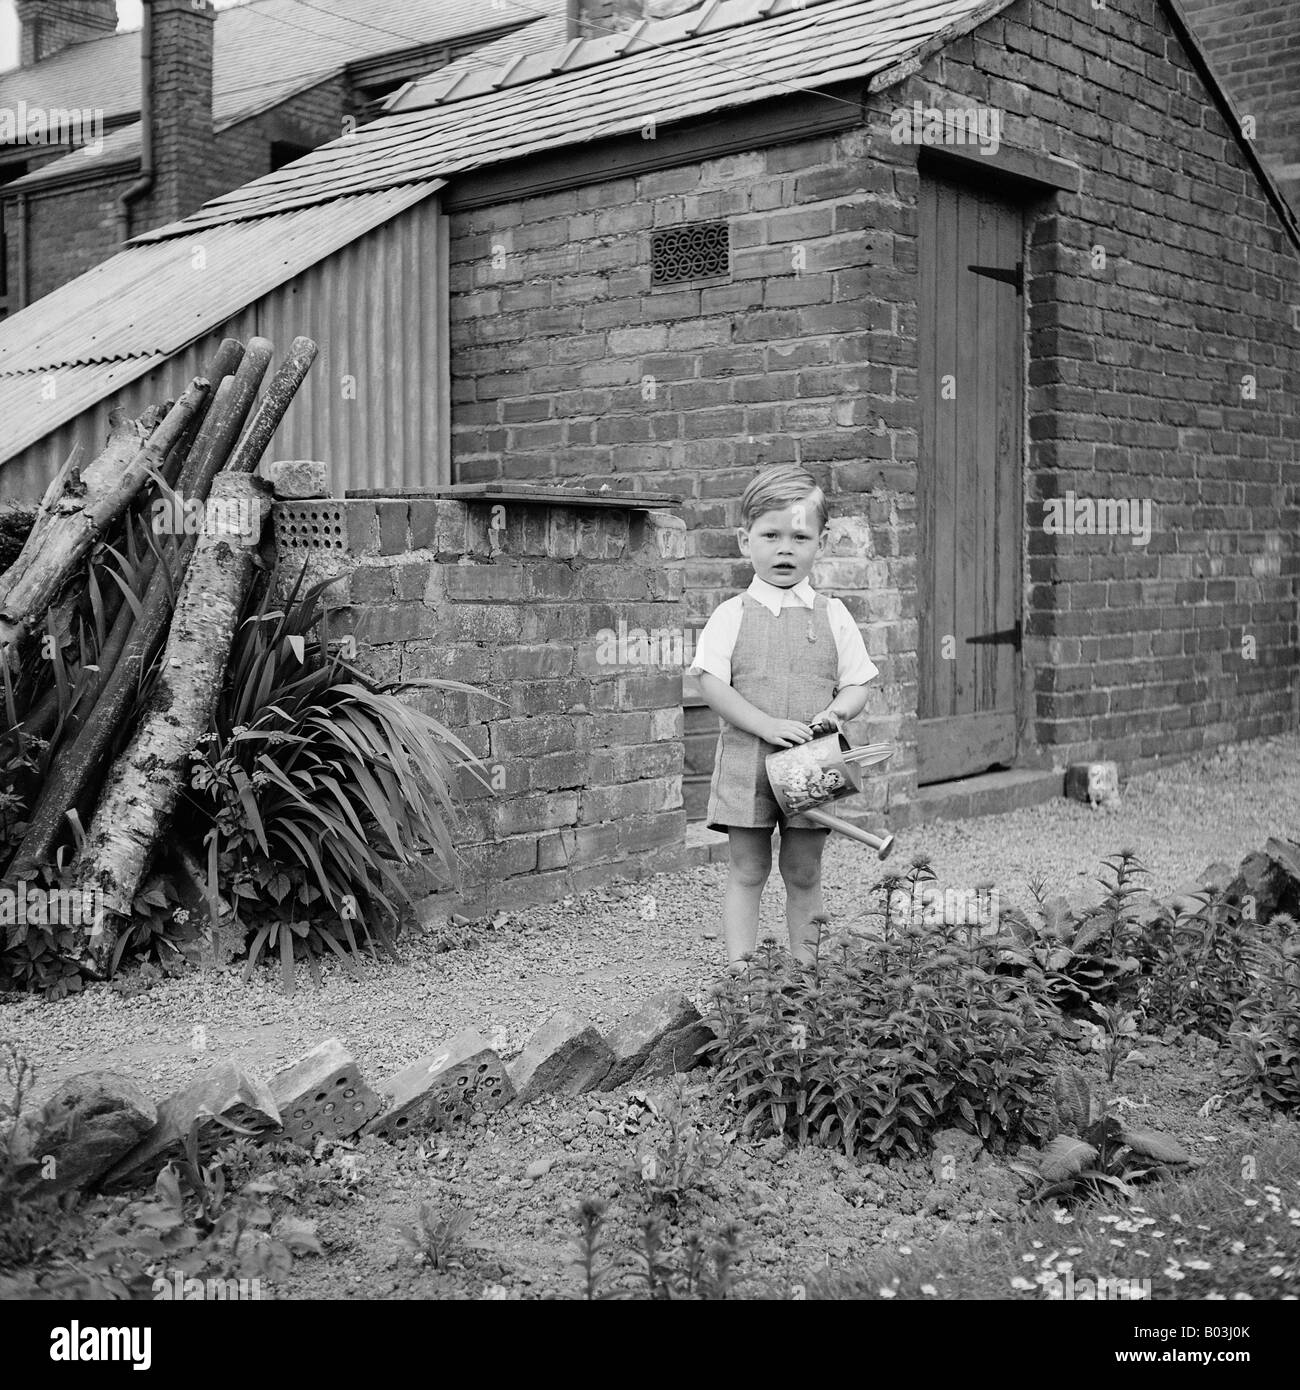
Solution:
(886, 1041)
(317, 785)
(46, 700)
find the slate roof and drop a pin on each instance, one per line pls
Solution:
(263, 53)
(727, 54)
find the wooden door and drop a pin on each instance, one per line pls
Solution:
(971, 390)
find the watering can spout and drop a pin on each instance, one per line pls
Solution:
(882, 845)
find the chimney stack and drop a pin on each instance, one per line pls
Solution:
(49, 26)
(179, 105)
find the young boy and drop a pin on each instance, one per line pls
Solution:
(773, 662)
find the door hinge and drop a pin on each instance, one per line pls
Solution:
(1014, 277)
(1007, 637)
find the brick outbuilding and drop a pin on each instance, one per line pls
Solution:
(1006, 276)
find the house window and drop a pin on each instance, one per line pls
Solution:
(695, 251)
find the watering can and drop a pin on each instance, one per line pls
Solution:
(808, 776)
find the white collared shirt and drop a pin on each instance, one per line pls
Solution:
(715, 644)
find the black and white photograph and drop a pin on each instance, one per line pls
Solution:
(650, 652)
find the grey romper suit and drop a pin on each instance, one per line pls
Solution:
(787, 665)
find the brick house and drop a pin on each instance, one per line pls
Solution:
(1255, 50)
(1004, 274)
(226, 95)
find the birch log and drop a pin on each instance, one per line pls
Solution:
(140, 795)
(75, 774)
(61, 540)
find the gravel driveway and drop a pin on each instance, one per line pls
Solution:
(598, 955)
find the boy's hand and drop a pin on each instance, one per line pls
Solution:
(785, 733)
(830, 719)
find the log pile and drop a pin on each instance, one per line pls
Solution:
(115, 766)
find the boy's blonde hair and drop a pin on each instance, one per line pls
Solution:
(781, 486)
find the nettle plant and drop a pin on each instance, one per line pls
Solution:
(885, 1041)
(1086, 958)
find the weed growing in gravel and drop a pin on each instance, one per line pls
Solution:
(887, 1041)
(438, 1234)
(1095, 1150)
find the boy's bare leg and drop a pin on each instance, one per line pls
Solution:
(751, 862)
(801, 871)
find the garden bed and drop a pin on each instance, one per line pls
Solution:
(799, 1211)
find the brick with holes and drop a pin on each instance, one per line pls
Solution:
(459, 1085)
(323, 1093)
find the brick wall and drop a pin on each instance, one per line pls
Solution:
(567, 365)
(520, 600)
(1255, 48)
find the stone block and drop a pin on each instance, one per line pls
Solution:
(676, 1051)
(291, 478)
(634, 1040)
(1094, 783)
(462, 1084)
(227, 1091)
(566, 1056)
(323, 1093)
(90, 1123)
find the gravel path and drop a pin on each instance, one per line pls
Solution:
(597, 954)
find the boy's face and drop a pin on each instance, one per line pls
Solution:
(783, 546)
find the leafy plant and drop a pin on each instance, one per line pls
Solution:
(1120, 1031)
(700, 1268)
(1085, 958)
(1095, 1151)
(1266, 1034)
(591, 1253)
(1195, 966)
(438, 1233)
(885, 1042)
(315, 786)
(681, 1156)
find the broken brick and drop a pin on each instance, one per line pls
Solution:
(323, 1093)
(566, 1056)
(227, 1092)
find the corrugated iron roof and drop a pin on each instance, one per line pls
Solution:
(263, 52)
(728, 54)
(102, 330)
